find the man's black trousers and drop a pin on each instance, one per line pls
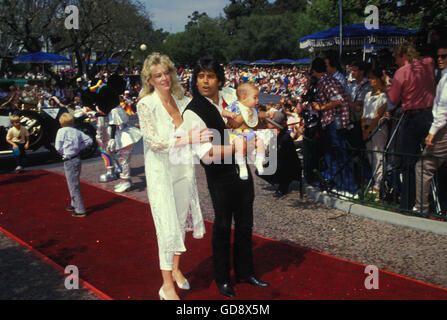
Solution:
(232, 197)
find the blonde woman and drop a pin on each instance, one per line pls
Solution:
(171, 186)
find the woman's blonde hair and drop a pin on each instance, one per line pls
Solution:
(151, 61)
(409, 49)
(66, 120)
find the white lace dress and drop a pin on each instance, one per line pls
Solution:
(162, 175)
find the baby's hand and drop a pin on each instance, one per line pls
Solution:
(228, 114)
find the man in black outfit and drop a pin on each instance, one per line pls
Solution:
(231, 196)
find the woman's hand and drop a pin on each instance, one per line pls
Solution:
(202, 136)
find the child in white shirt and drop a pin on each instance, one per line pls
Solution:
(69, 143)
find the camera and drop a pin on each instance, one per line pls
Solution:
(310, 116)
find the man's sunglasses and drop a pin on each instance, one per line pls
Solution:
(442, 56)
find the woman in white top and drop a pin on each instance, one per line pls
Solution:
(171, 186)
(374, 107)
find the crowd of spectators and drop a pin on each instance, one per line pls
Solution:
(65, 92)
(351, 122)
(288, 81)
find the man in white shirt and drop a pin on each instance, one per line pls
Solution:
(436, 140)
(231, 196)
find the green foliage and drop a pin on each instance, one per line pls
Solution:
(107, 28)
(284, 6)
(264, 37)
(202, 35)
(251, 29)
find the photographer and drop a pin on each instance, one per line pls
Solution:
(333, 103)
(413, 86)
(312, 151)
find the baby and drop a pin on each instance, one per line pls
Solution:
(245, 116)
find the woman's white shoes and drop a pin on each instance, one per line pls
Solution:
(161, 293)
(184, 286)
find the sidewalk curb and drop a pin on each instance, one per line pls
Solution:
(418, 223)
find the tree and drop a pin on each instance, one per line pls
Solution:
(283, 6)
(423, 15)
(28, 22)
(107, 28)
(238, 9)
(264, 37)
(202, 35)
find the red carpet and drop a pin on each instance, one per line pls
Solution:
(116, 251)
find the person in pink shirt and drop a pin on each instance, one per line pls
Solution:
(413, 86)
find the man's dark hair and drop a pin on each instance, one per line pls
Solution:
(318, 65)
(376, 72)
(442, 44)
(207, 63)
(361, 65)
(334, 62)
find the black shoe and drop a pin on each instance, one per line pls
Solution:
(70, 208)
(279, 194)
(226, 289)
(78, 215)
(271, 188)
(253, 281)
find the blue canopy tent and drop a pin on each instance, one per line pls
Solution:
(303, 61)
(357, 35)
(262, 62)
(109, 61)
(284, 61)
(65, 63)
(239, 62)
(41, 57)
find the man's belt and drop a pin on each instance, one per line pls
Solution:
(413, 111)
